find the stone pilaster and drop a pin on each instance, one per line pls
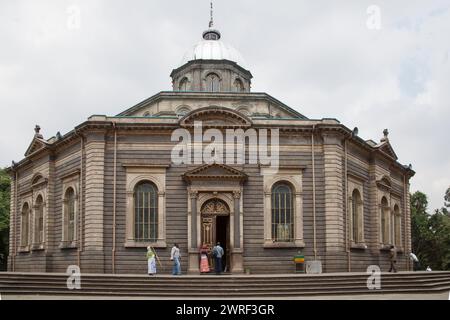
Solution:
(50, 219)
(407, 216)
(193, 262)
(237, 220)
(237, 259)
(93, 249)
(334, 211)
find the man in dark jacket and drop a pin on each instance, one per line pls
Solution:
(393, 258)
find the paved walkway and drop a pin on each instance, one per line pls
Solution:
(432, 296)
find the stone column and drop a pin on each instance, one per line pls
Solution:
(194, 247)
(50, 218)
(237, 223)
(334, 211)
(13, 228)
(407, 222)
(93, 254)
(237, 261)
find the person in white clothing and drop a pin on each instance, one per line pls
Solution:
(175, 256)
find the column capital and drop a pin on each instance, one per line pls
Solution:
(237, 194)
(193, 194)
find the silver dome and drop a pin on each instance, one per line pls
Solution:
(213, 50)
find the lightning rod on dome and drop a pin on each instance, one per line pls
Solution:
(211, 22)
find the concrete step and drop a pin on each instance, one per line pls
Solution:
(227, 286)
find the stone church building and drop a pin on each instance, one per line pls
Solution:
(97, 196)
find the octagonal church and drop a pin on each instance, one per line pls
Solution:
(98, 195)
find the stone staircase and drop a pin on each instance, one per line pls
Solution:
(220, 287)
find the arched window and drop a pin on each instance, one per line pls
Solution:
(147, 114)
(39, 220)
(384, 213)
(357, 217)
(282, 213)
(182, 111)
(146, 212)
(238, 86)
(397, 226)
(24, 237)
(69, 215)
(212, 82)
(184, 85)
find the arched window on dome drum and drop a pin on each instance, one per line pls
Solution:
(39, 220)
(146, 212)
(238, 86)
(212, 83)
(69, 215)
(184, 85)
(282, 213)
(24, 225)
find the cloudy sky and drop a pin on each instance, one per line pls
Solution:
(370, 64)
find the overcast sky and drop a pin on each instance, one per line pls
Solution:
(323, 58)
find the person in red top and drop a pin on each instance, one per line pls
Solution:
(204, 264)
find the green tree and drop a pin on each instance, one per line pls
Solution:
(447, 198)
(5, 191)
(430, 233)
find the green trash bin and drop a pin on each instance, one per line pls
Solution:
(299, 261)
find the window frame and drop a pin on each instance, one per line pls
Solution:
(135, 174)
(150, 208)
(277, 212)
(293, 177)
(240, 88)
(211, 88)
(39, 208)
(71, 181)
(385, 229)
(25, 246)
(184, 82)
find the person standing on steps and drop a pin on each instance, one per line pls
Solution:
(151, 261)
(175, 256)
(393, 258)
(204, 264)
(218, 254)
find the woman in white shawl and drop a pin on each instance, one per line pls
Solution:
(151, 261)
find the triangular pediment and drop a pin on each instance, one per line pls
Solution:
(386, 148)
(216, 117)
(36, 145)
(213, 172)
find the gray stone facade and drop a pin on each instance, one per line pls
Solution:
(103, 159)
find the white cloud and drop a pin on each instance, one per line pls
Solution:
(318, 57)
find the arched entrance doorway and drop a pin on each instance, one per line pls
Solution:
(216, 227)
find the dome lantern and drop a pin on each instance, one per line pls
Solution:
(212, 65)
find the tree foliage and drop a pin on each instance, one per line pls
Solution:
(447, 198)
(430, 234)
(5, 191)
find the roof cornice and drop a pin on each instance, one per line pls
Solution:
(211, 96)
